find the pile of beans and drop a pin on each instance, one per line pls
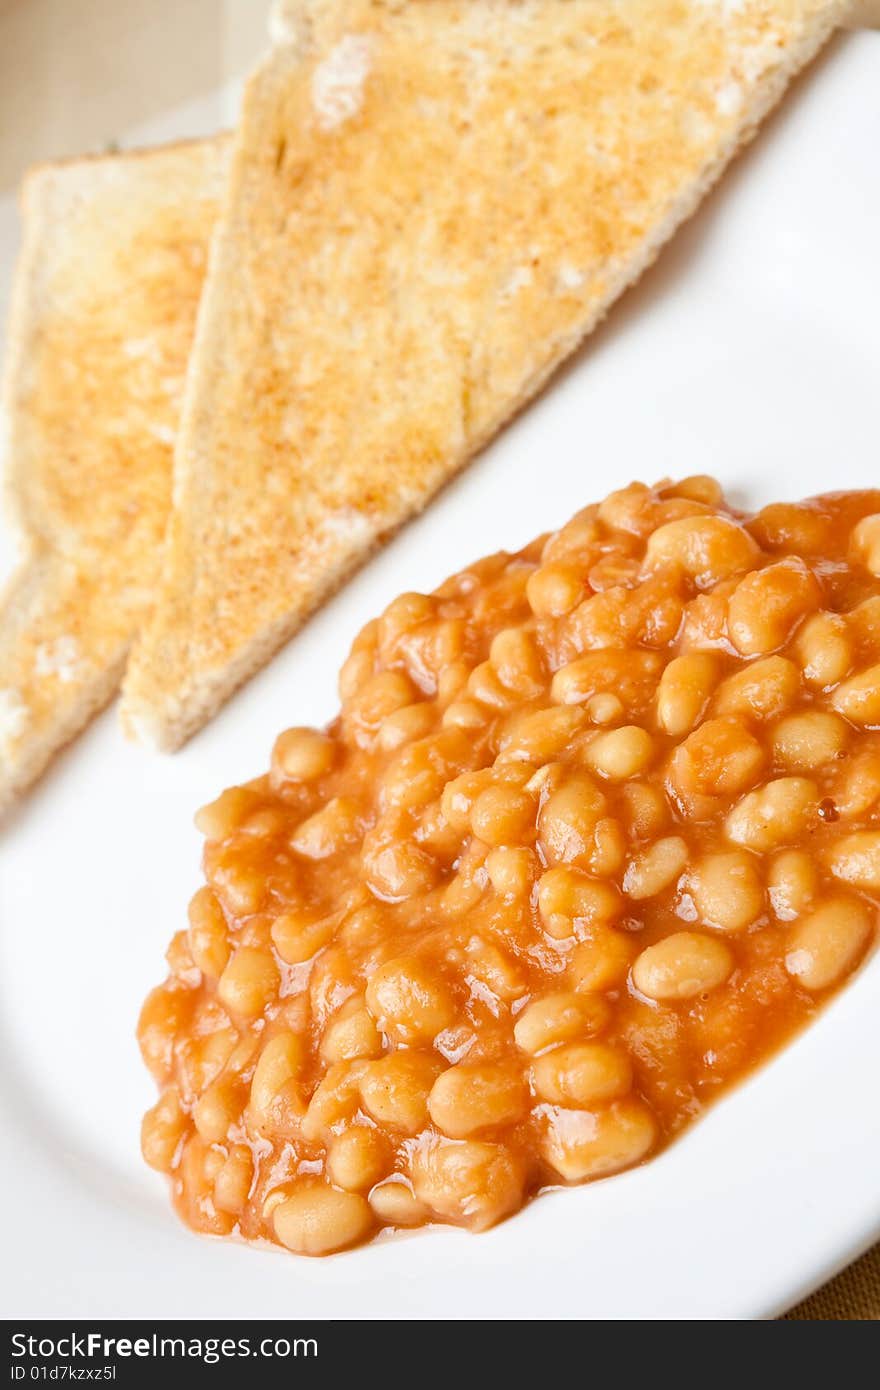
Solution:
(597, 828)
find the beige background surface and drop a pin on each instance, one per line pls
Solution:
(82, 75)
(74, 68)
(74, 74)
(79, 75)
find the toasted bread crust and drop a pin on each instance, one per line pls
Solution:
(431, 204)
(103, 316)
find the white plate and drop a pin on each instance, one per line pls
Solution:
(752, 352)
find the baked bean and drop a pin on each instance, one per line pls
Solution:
(162, 1130)
(233, 1180)
(566, 896)
(856, 859)
(395, 1204)
(866, 542)
(558, 1018)
(698, 488)
(459, 796)
(202, 1057)
(471, 1097)
(610, 573)
(517, 662)
(404, 726)
(467, 886)
(264, 824)
(395, 867)
(553, 590)
(378, 697)
(395, 1089)
(465, 715)
(543, 782)
(196, 1170)
(827, 942)
(791, 526)
(434, 655)
(720, 758)
(208, 934)
(684, 691)
(859, 698)
(486, 686)
(602, 960)
(334, 1100)
(568, 819)
(356, 671)
(628, 509)
(645, 809)
(804, 742)
(501, 815)
(402, 615)
(704, 621)
(605, 709)
(495, 969)
(607, 851)
(317, 1218)
(356, 1158)
(824, 650)
(237, 883)
(276, 1103)
(629, 675)
(863, 624)
(224, 816)
(581, 1144)
(581, 1074)
(328, 831)
(682, 965)
(351, 1033)
(180, 960)
(792, 883)
(468, 1181)
(621, 753)
(249, 982)
(774, 815)
(511, 871)
(655, 868)
(297, 937)
(452, 683)
(302, 755)
(409, 1002)
(674, 506)
(538, 735)
(768, 604)
(332, 980)
(761, 690)
(244, 1052)
(727, 890)
(706, 548)
(649, 615)
(855, 789)
(363, 928)
(216, 1109)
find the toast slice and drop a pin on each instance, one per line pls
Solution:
(103, 316)
(431, 203)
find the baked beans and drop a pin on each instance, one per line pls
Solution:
(596, 830)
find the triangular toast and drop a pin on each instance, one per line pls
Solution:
(104, 306)
(432, 202)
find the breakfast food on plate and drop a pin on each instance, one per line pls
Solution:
(596, 830)
(104, 307)
(431, 204)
